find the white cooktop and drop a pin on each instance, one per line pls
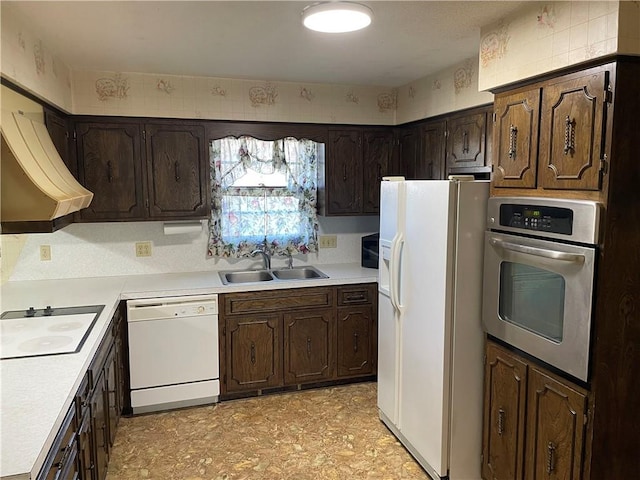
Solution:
(47, 332)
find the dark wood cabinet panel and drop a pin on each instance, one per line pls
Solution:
(377, 157)
(58, 127)
(62, 461)
(286, 338)
(408, 140)
(99, 428)
(110, 165)
(534, 421)
(177, 170)
(555, 428)
(309, 339)
(571, 132)
(504, 415)
(86, 447)
(356, 340)
(515, 134)
(253, 352)
(343, 183)
(432, 162)
(466, 142)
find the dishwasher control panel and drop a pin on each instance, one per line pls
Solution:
(172, 307)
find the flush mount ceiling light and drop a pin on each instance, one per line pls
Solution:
(336, 17)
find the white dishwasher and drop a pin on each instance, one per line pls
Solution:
(173, 352)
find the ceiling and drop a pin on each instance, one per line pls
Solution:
(261, 39)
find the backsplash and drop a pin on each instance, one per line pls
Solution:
(108, 249)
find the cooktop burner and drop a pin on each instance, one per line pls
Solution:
(48, 331)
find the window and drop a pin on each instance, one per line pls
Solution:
(263, 192)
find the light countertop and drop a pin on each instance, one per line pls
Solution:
(36, 392)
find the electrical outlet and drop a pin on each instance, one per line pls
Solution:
(328, 241)
(45, 253)
(143, 249)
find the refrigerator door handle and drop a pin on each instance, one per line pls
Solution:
(396, 270)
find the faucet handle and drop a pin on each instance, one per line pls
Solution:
(289, 260)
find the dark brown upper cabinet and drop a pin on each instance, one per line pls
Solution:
(466, 142)
(356, 159)
(143, 171)
(58, 126)
(550, 136)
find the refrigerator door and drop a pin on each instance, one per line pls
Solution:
(426, 289)
(392, 218)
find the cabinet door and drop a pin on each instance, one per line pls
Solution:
(555, 429)
(254, 352)
(99, 429)
(431, 164)
(86, 446)
(572, 132)
(110, 165)
(515, 136)
(466, 142)
(377, 151)
(408, 142)
(356, 340)
(177, 166)
(61, 461)
(58, 128)
(111, 391)
(504, 415)
(309, 338)
(344, 172)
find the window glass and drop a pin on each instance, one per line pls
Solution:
(532, 298)
(263, 195)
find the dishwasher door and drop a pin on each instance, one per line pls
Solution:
(173, 352)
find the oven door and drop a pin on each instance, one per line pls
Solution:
(538, 297)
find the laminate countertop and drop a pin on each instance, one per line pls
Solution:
(36, 392)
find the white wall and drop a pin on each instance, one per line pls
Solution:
(108, 249)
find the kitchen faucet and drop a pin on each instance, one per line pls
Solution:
(266, 258)
(289, 260)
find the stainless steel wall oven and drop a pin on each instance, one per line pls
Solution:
(539, 274)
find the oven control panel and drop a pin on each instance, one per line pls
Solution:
(537, 217)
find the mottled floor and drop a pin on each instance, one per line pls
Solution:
(331, 433)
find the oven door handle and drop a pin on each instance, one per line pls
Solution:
(539, 252)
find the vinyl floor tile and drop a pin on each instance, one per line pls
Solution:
(324, 434)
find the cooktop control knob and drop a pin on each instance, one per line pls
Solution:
(31, 312)
(48, 311)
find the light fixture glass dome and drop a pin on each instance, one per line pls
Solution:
(336, 17)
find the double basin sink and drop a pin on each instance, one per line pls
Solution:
(251, 276)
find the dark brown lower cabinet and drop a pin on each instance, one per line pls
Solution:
(290, 337)
(534, 421)
(308, 345)
(254, 352)
(81, 449)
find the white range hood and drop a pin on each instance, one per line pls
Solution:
(36, 184)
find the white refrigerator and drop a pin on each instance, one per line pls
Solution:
(430, 340)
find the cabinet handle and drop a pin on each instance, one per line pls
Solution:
(513, 137)
(465, 142)
(177, 172)
(355, 342)
(569, 135)
(500, 421)
(109, 173)
(344, 172)
(355, 298)
(309, 347)
(551, 457)
(253, 353)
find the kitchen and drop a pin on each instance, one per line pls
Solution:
(79, 250)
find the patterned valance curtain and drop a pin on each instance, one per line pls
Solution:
(280, 214)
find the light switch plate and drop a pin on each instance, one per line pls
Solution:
(143, 249)
(328, 241)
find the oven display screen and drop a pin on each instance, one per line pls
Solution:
(540, 218)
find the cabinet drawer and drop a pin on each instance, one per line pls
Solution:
(274, 300)
(356, 295)
(82, 395)
(101, 355)
(63, 451)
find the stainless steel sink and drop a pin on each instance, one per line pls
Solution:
(298, 273)
(246, 276)
(252, 276)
